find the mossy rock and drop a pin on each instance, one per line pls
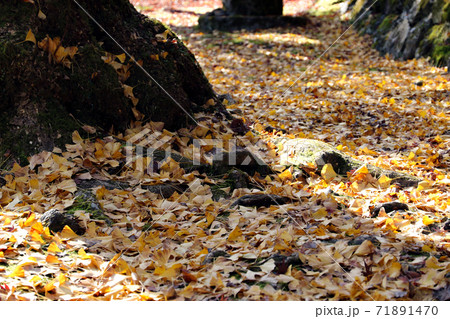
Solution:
(86, 201)
(422, 24)
(439, 41)
(387, 22)
(441, 54)
(304, 152)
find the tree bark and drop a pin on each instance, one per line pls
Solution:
(45, 93)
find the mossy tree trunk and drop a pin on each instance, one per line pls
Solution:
(253, 7)
(46, 91)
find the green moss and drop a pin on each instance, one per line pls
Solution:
(217, 189)
(438, 34)
(423, 4)
(441, 54)
(147, 226)
(387, 23)
(262, 284)
(86, 202)
(440, 11)
(57, 122)
(446, 12)
(223, 216)
(102, 101)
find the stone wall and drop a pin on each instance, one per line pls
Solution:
(406, 29)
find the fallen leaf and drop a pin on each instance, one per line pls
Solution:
(30, 37)
(328, 173)
(366, 248)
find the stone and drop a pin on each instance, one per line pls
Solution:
(260, 200)
(226, 97)
(396, 38)
(282, 262)
(442, 294)
(360, 239)
(213, 255)
(301, 152)
(415, 35)
(406, 28)
(388, 207)
(55, 220)
(238, 178)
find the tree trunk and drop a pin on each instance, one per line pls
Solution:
(253, 7)
(46, 91)
(249, 15)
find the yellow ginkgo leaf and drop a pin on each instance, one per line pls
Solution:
(320, 213)
(62, 279)
(286, 175)
(235, 234)
(30, 220)
(51, 259)
(71, 51)
(68, 233)
(50, 286)
(384, 181)
(362, 170)
(82, 254)
(268, 266)
(128, 91)
(60, 54)
(366, 248)
(53, 248)
(328, 173)
(422, 113)
(34, 183)
(163, 36)
(394, 270)
(432, 262)
(30, 37)
(68, 185)
(424, 185)
(427, 249)
(41, 15)
(427, 220)
(367, 151)
(37, 238)
(76, 138)
(17, 272)
(121, 57)
(37, 227)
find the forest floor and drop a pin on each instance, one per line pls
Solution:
(323, 245)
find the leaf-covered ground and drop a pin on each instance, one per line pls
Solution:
(322, 245)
